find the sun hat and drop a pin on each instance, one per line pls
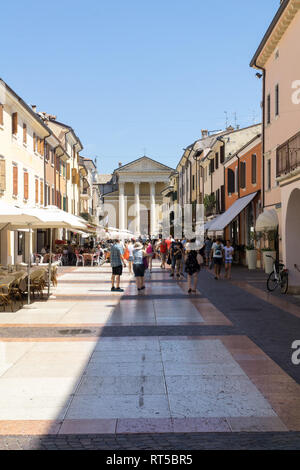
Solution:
(138, 246)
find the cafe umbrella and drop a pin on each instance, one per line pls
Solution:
(48, 217)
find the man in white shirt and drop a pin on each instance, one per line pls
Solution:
(217, 250)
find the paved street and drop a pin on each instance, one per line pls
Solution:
(161, 370)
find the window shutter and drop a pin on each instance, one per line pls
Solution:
(222, 154)
(15, 180)
(24, 133)
(78, 178)
(2, 175)
(34, 142)
(242, 174)
(1, 115)
(42, 192)
(74, 177)
(68, 171)
(230, 181)
(253, 169)
(25, 185)
(217, 161)
(36, 191)
(42, 147)
(15, 123)
(223, 198)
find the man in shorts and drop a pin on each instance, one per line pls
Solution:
(117, 262)
(163, 248)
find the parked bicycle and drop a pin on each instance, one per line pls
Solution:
(279, 277)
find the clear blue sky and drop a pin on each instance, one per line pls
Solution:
(130, 75)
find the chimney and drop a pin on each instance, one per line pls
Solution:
(120, 164)
(33, 108)
(230, 129)
(204, 133)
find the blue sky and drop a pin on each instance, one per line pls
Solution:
(136, 76)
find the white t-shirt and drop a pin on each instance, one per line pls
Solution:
(130, 249)
(228, 252)
(218, 250)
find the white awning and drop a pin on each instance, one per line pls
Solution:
(224, 219)
(268, 220)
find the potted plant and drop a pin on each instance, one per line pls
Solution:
(251, 256)
(268, 262)
(269, 254)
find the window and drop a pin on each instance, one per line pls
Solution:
(243, 175)
(236, 180)
(2, 175)
(1, 115)
(51, 157)
(53, 197)
(268, 109)
(24, 133)
(253, 166)
(26, 189)
(222, 154)
(193, 182)
(34, 142)
(223, 198)
(217, 161)
(68, 171)
(15, 123)
(269, 174)
(42, 192)
(277, 100)
(230, 181)
(212, 166)
(36, 191)
(15, 180)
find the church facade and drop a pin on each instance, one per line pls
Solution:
(136, 205)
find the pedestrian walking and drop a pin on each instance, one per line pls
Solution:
(117, 262)
(207, 250)
(138, 265)
(193, 262)
(217, 256)
(228, 255)
(130, 252)
(178, 256)
(150, 252)
(163, 248)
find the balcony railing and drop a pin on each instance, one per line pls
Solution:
(288, 156)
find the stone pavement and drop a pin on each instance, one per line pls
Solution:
(160, 370)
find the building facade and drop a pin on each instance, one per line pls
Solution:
(277, 60)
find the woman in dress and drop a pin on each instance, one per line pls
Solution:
(150, 251)
(192, 266)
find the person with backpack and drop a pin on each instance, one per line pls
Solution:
(217, 251)
(193, 261)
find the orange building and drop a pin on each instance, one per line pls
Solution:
(243, 194)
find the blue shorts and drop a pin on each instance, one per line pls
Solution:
(228, 261)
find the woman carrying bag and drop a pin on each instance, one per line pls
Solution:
(193, 262)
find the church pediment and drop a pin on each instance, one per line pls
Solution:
(144, 165)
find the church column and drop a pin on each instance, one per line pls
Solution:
(121, 206)
(152, 210)
(137, 208)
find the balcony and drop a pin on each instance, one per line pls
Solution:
(85, 194)
(288, 158)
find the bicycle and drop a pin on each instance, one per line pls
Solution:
(278, 277)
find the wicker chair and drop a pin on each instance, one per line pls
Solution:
(6, 290)
(38, 281)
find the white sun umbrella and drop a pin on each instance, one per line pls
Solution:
(49, 217)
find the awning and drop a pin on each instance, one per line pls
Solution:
(224, 219)
(268, 220)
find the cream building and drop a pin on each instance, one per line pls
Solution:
(277, 59)
(137, 203)
(22, 135)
